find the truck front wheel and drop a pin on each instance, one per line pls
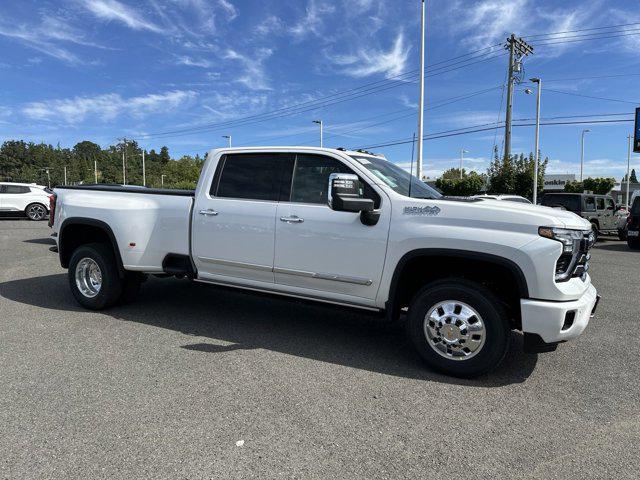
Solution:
(93, 276)
(458, 327)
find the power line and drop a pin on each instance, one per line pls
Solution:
(480, 128)
(592, 97)
(583, 30)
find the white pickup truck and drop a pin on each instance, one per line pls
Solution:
(348, 228)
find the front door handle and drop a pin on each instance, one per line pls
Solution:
(208, 212)
(292, 219)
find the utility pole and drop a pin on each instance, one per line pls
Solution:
(319, 122)
(537, 143)
(462, 152)
(162, 180)
(124, 160)
(228, 137)
(630, 137)
(518, 49)
(582, 154)
(421, 100)
(65, 175)
(144, 171)
(95, 170)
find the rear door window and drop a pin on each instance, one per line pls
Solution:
(16, 189)
(589, 204)
(600, 203)
(250, 176)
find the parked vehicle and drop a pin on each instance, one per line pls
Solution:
(347, 228)
(633, 224)
(507, 198)
(24, 199)
(599, 210)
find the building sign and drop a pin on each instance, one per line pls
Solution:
(557, 182)
(636, 132)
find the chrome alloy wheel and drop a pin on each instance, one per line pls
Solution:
(88, 277)
(36, 212)
(454, 330)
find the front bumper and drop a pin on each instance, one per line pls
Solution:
(555, 322)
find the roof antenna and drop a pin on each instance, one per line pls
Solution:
(413, 146)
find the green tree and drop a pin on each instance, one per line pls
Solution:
(600, 186)
(451, 184)
(514, 175)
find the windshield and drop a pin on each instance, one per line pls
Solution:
(397, 178)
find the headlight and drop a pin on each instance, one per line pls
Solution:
(570, 239)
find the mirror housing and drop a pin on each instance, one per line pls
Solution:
(345, 194)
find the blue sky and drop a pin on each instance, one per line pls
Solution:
(102, 69)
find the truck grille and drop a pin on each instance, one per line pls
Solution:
(575, 265)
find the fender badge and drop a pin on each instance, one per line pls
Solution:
(428, 211)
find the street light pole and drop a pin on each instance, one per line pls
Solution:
(144, 171)
(65, 175)
(95, 170)
(421, 100)
(630, 137)
(162, 180)
(124, 170)
(228, 137)
(537, 142)
(582, 155)
(319, 122)
(462, 152)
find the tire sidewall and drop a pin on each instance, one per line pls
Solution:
(111, 283)
(493, 316)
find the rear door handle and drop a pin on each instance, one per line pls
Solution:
(292, 219)
(208, 212)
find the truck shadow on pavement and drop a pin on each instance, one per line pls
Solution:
(254, 321)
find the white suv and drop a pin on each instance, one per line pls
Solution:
(24, 198)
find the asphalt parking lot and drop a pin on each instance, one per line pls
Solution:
(199, 382)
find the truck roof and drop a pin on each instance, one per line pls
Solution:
(287, 148)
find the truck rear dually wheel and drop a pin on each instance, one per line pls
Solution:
(458, 327)
(93, 276)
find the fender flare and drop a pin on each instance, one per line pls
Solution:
(450, 252)
(93, 223)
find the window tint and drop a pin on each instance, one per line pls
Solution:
(310, 181)
(589, 204)
(250, 176)
(15, 189)
(600, 203)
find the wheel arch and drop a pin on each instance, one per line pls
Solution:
(419, 267)
(77, 231)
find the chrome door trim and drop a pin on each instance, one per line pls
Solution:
(286, 294)
(229, 263)
(325, 276)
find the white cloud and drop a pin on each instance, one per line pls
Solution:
(194, 62)
(254, 76)
(271, 25)
(490, 21)
(312, 22)
(369, 61)
(114, 10)
(228, 8)
(106, 106)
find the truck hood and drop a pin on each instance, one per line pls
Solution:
(536, 214)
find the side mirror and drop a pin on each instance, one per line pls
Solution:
(346, 194)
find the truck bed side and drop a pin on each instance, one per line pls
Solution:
(147, 224)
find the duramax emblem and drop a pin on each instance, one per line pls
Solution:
(428, 211)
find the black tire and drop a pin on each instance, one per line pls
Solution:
(634, 243)
(131, 287)
(111, 284)
(622, 234)
(36, 211)
(596, 232)
(493, 316)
